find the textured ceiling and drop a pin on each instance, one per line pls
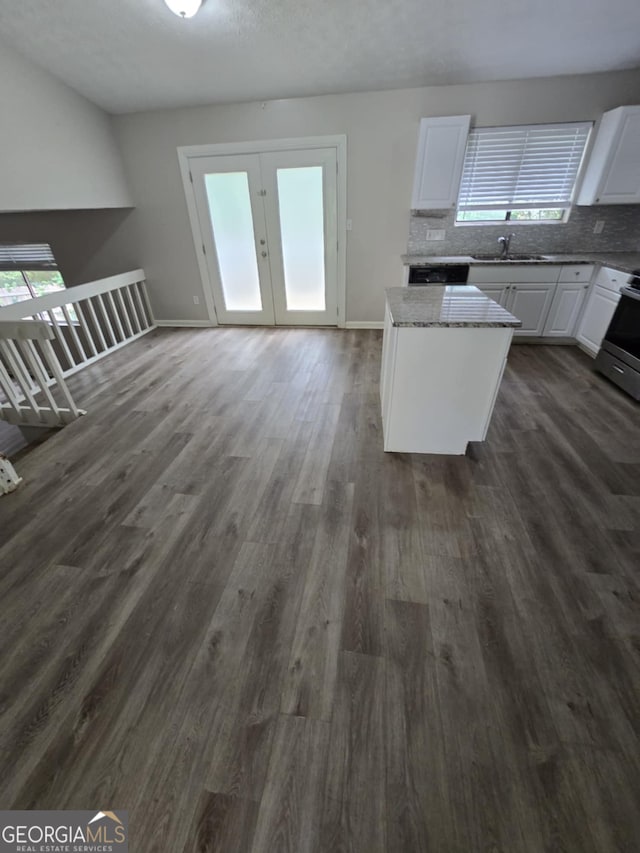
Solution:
(128, 55)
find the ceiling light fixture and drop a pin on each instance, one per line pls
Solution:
(184, 8)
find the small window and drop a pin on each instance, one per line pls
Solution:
(523, 173)
(27, 270)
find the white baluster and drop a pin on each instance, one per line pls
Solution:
(132, 310)
(85, 328)
(15, 364)
(55, 368)
(97, 326)
(61, 339)
(8, 387)
(32, 358)
(145, 296)
(74, 334)
(125, 313)
(107, 321)
(140, 303)
(116, 316)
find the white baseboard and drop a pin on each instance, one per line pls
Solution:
(364, 324)
(197, 324)
(187, 324)
(587, 350)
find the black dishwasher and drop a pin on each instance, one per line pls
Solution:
(438, 274)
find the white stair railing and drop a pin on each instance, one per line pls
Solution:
(90, 320)
(31, 377)
(46, 339)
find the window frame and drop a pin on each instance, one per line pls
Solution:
(524, 136)
(25, 258)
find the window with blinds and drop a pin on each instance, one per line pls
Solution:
(26, 256)
(523, 172)
(27, 270)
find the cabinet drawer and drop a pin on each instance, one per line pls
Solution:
(576, 272)
(611, 279)
(513, 273)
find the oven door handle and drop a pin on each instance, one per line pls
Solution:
(632, 292)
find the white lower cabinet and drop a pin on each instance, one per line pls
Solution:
(565, 310)
(547, 299)
(530, 303)
(597, 315)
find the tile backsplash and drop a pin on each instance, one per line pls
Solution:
(621, 233)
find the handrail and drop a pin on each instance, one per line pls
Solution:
(80, 292)
(45, 339)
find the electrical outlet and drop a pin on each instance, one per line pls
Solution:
(196, 300)
(435, 233)
(598, 228)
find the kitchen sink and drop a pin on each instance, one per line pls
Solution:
(510, 257)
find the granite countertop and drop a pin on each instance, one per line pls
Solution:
(623, 261)
(446, 305)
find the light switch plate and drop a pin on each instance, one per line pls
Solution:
(435, 233)
(598, 228)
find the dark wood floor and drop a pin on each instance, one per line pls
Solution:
(227, 611)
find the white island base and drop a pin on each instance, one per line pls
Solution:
(439, 385)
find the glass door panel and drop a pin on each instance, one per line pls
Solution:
(300, 206)
(232, 222)
(227, 190)
(301, 214)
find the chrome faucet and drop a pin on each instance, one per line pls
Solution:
(506, 244)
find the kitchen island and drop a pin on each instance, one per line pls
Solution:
(443, 355)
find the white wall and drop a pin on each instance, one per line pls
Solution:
(77, 238)
(381, 130)
(57, 150)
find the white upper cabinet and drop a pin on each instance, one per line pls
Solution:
(441, 146)
(612, 175)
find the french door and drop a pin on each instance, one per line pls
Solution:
(268, 223)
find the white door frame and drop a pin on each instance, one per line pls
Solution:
(188, 153)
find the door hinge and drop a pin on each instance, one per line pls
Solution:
(190, 177)
(204, 251)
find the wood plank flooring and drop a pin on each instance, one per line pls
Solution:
(226, 610)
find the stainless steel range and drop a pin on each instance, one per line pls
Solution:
(619, 356)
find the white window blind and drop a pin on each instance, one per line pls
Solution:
(26, 256)
(523, 167)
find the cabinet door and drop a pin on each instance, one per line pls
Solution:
(565, 310)
(612, 175)
(441, 146)
(530, 303)
(596, 318)
(497, 292)
(621, 183)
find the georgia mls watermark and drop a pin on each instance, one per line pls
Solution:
(64, 832)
